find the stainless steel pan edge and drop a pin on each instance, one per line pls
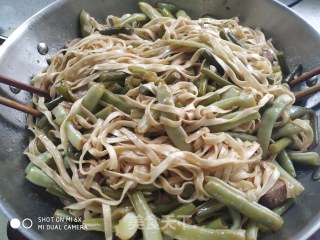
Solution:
(57, 24)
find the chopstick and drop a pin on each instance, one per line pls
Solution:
(307, 91)
(21, 107)
(24, 86)
(305, 76)
(12, 104)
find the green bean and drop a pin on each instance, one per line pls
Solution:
(286, 163)
(215, 77)
(268, 120)
(286, 130)
(135, 81)
(39, 178)
(110, 192)
(187, 209)
(236, 218)
(176, 135)
(234, 40)
(145, 91)
(182, 14)
(280, 145)
(53, 103)
(60, 114)
(116, 101)
(297, 71)
(210, 88)
(72, 152)
(149, 11)
(222, 127)
(59, 192)
(243, 136)
(112, 76)
(202, 84)
(182, 231)
(63, 214)
(244, 101)
(209, 16)
(210, 100)
(137, 69)
(86, 27)
(164, 208)
(93, 224)
(218, 223)
(150, 228)
(119, 212)
(231, 115)
(171, 78)
(92, 97)
(217, 189)
(207, 209)
(63, 89)
(172, 8)
(298, 188)
(230, 93)
(252, 230)
(113, 30)
(136, 17)
(208, 55)
(309, 158)
(115, 88)
(283, 64)
(297, 111)
(165, 12)
(42, 122)
(146, 188)
(46, 157)
(104, 113)
(284, 207)
(316, 174)
(74, 136)
(224, 36)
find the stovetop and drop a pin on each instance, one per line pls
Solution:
(15, 12)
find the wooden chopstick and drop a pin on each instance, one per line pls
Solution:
(305, 76)
(24, 86)
(307, 91)
(12, 104)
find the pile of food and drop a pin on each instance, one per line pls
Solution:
(170, 128)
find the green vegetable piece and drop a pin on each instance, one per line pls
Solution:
(224, 194)
(39, 178)
(283, 63)
(172, 8)
(150, 228)
(86, 27)
(182, 231)
(113, 31)
(215, 77)
(182, 14)
(222, 127)
(149, 11)
(268, 120)
(308, 158)
(177, 135)
(286, 163)
(280, 145)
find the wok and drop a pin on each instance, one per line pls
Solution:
(57, 24)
